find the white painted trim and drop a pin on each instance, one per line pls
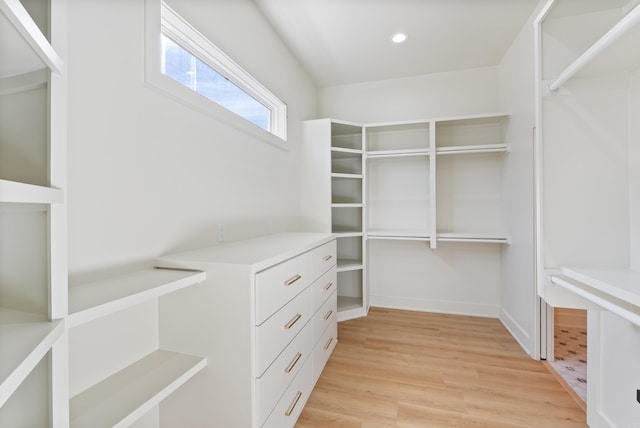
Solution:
(438, 306)
(518, 333)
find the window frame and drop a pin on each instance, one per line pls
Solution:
(161, 19)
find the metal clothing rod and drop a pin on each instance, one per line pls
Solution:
(625, 24)
(605, 304)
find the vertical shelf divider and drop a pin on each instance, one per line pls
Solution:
(433, 220)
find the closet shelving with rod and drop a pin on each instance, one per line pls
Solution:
(588, 191)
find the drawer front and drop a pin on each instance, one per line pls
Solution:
(281, 283)
(324, 348)
(324, 316)
(286, 412)
(273, 383)
(324, 287)
(323, 258)
(275, 334)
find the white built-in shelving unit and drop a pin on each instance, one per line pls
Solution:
(588, 188)
(334, 174)
(33, 337)
(414, 195)
(38, 308)
(433, 180)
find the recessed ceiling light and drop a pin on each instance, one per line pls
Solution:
(399, 38)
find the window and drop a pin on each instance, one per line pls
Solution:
(206, 77)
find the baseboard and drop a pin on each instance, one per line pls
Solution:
(438, 306)
(519, 334)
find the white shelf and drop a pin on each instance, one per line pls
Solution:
(24, 48)
(346, 303)
(96, 299)
(23, 82)
(343, 175)
(345, 265)
(473, 237)
(621, 284)
(406, 235)
(344, 152)
(347, 205)
(346, 233)
(471, 149)
(127, 395)
(25, 339)
(377, 154)
(12, 191)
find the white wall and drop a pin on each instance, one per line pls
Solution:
(455, 278)
(517, 291)
(148, 175)
(420, 97)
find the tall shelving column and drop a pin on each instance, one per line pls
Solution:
(333, 180)
(33, 264)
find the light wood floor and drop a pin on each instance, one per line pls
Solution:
(413, 369)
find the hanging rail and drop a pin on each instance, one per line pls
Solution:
(617, 31)
(605, 304)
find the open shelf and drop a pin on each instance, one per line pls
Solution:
(25, 339)
(471, 149)
(340, 175)
(13, 191)
(412, 235)
(127, 395)
(347, 205)
(473, 237)
(24, 48)
(345, 152)
(96, 299)
(349, 264)
(397, 153)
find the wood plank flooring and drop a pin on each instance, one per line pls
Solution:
(412, 369)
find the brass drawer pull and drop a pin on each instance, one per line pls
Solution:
(326, 345)
(328, 286)
(291, 280)
(293, 363)
(293, 405)
(328, 314)
(327, 258)
(292, 322)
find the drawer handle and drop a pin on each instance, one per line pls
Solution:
(293, 405)
(328, 314)
(291, 280)
(327, 258)
(328, 286)
(326, 345)
(292, 322)
(293, 363)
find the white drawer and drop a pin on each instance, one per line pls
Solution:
(323, 348)
(324, 287)
(276, 333)
(281, 283)
(323, 258)
(272, 384)
(324, 316)
(286, 412)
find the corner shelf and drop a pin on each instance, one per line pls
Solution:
(96, 299)
(345, 265)
(25, 338)
(13, 191)
(127, 395)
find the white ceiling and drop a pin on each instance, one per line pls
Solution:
(348, 41)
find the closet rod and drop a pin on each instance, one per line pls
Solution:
(617, 31)
(605, 304)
